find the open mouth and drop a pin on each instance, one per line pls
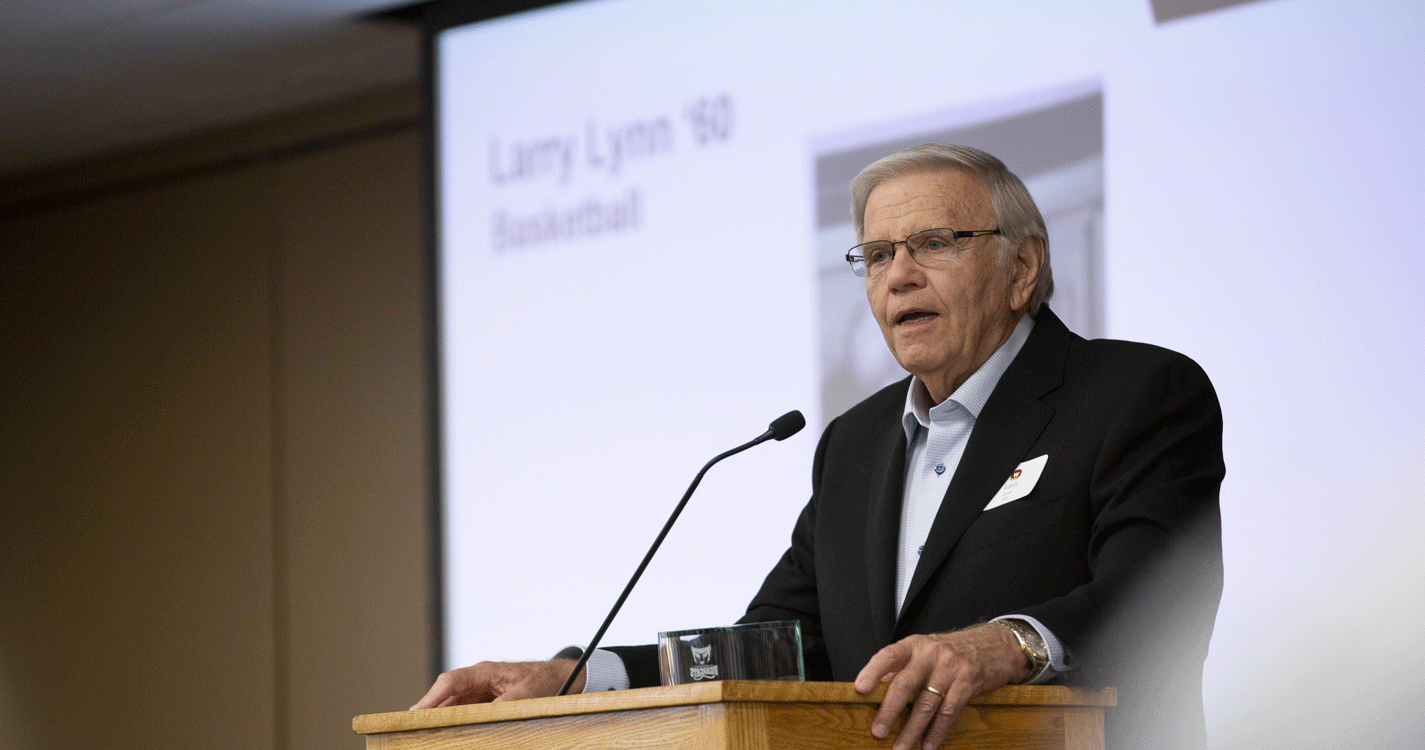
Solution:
(913, 316)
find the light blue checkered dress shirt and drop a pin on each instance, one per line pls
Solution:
(935, 437)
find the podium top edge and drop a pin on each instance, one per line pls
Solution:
(731, 691)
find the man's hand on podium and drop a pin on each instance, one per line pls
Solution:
(935, 676)
(499, 681)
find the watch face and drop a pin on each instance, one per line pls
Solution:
(1029, 640)
(1027, 636)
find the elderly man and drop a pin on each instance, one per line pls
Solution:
(1028, 506)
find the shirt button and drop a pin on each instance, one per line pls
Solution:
(939, 469)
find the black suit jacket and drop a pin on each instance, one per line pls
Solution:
(1117, 549)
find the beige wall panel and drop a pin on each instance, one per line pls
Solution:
(352, 409)
(136, 549)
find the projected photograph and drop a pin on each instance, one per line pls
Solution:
(1052, 140)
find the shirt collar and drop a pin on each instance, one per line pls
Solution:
(972, 394)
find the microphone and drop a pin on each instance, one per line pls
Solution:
(781, 428)
(785, 426)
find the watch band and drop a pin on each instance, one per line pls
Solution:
(1035, 652)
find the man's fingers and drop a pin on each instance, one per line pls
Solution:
(440, 694)
(474, 684)
(927, 670)
(883, 665)
(887, 663)
(901, 693)
(956, 698)
(922, 712)
(498, 681)
(904, 690)
(447, 702)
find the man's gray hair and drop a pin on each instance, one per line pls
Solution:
(1015, 212)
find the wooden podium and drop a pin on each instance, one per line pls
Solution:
(737, 716)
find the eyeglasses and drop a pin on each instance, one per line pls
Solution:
(930, 247)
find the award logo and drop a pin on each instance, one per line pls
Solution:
(703, 668)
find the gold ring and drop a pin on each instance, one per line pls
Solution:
(933, 690)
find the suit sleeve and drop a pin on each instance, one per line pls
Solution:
(1144, 620)
(789, 591)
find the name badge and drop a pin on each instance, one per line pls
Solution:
(1020, 481)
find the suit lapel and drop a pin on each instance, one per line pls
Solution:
(883, 520)
(1013, 418)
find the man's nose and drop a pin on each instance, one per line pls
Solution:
(905, 270)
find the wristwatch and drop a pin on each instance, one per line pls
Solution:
(1035, 652)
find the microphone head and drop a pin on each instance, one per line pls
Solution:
(787, 425)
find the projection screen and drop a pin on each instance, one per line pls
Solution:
(642, 210)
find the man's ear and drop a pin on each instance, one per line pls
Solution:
(1025, 265)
